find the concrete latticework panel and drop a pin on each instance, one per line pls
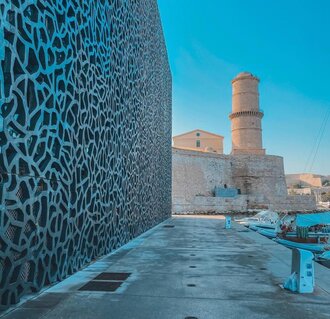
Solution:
(85, 134)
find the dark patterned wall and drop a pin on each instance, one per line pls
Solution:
(85, 134)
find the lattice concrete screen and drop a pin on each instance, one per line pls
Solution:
(85, 134)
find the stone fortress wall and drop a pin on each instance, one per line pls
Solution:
(85, 134)
(260, 178)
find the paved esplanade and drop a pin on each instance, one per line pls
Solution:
(195, 269)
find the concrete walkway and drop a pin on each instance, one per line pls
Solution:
(196, 269)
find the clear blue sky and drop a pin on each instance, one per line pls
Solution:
(286, 43)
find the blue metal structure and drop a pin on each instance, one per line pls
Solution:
(225, 192)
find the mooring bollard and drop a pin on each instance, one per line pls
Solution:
(228, 222)
(302, 272)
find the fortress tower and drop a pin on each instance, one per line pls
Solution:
(246, 116)
(260, 178)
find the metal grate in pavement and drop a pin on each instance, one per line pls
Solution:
(106, 281)
(116, 276)
(101, 286)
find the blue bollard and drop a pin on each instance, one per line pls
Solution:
(228, 222)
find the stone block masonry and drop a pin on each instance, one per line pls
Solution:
(246, 116)
(85, 134)
(259, 178)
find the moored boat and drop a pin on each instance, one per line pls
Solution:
(315, 248)
(265, 218)
(257, 226)
(324, 259)
(272, 233)
(269, 233)
(312, 232)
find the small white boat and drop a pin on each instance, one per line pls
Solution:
(324, 259)
(315, 248)
(265, 217)
(247, 220)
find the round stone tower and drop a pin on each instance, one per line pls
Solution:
(246, 116)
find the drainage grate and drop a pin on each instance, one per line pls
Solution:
(168, 226)
(116, 276)
(101, 286)
(106, 281)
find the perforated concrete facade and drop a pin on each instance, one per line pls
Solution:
(85, 134)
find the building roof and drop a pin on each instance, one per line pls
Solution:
(244, 74)
(194, 149)
(198, 130)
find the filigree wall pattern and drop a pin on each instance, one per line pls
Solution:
(85, 134)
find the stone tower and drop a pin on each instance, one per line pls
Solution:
(246, 116)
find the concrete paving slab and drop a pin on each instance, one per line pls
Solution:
(196, 269)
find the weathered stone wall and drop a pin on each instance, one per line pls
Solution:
(85, 134)
(207, 204)
(293, 203)
(197, 173)
(260, 179)
(257, 174)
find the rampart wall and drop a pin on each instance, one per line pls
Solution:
(259, 178)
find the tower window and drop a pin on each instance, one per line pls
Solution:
(198, 143)
(198, 134)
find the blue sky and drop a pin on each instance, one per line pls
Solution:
(286, 43)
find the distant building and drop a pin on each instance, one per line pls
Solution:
(312, 184)
(199, 140)
(304, 180)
